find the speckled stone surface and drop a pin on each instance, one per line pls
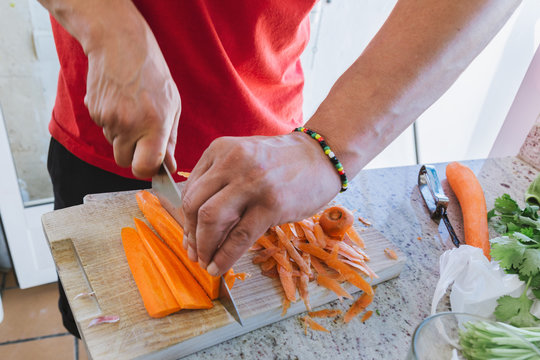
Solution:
(391, 200)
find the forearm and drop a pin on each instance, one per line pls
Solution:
(93, 23)
(419, 52)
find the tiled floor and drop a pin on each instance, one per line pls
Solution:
(32, 326)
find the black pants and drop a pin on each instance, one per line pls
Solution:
(72, 179)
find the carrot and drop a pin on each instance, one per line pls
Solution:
(325, 313)
(155, 293)
(264, 255)
(172, 233)
(314, 325)
(473, 205)
(334, 286)
(355, 237)
(291, 250)
(336, 220)
(183, 286)
(285, 305)
(288, 283)
(358, 306)
(390, 253)
(366, 316)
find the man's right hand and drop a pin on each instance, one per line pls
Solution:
(130, 91)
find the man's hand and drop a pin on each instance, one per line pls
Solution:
(130, 91)
(244, 185)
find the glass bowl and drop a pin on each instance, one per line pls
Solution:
(438, 337)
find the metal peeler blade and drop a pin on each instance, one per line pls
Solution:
(435, 198)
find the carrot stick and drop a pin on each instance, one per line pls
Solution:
(184, 287)
(366, 316)
(264, 255)
(355, 237)
(324, 313)
(155, 293)
(334, 286)
(291, 250)
(358, 306)
(320, 235)
(314, 325)
(288, 283)
(473, 205)
(172, 233)
(285, 305)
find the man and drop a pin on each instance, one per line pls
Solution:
(235, 65)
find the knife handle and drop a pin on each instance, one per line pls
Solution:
(450, 229)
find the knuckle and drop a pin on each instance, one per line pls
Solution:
(187, 204)
(206, 215)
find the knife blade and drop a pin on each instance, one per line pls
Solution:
(170, 196)
(227, 301)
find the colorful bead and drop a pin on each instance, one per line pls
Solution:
(329, 153)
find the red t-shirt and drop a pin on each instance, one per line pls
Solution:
(236, 65)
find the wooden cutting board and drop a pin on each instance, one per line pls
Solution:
(86, 245)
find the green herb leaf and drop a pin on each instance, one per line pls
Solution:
(515, 311)
(506, 205)
(531, 262)
(508, 251)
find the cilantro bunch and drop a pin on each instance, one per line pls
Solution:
(518, 252)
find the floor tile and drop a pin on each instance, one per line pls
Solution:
(83, 355)
(30, 313)
(54, 348)
(11, 281)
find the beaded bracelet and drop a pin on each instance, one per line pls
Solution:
(329, 153)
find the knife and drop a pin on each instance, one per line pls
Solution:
(169, 195)
(435, 198)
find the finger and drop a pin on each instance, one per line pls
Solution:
(148, 155)
(238, 241)
(199, 191)
(123, 149)
(215, 219)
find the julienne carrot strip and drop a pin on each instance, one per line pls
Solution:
(172, 233)
(473, 205)
(291, 250)
(314, 325)
(334, 286)
(285, 305)
(183, 286)
(366, 316)
(355, 237)
(325, 313)
(280, 256)
(358, 306)
(287, 281)
(155, 293)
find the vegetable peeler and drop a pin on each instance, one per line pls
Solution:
(435, 198)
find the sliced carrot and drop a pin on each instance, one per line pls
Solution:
(172, 233)
(183, 286)
(319, 268)
(390, 253)
(358, 306)
(264, 255)
(291, 250)
(285, 305)
(314, 325)
(320, 235)
(268, 264)
(287, 282)
(364, 221)
(355, 237)
(473, 205)
(155, 293)
(324, 313)
(334, 286)
(366, 316)
(271, 273)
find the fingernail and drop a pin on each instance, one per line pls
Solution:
(192, 255)
(202, 264)
(212, 269)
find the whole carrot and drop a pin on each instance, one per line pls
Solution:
(473, 205)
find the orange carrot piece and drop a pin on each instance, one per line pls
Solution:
(334, 286)
(184, 287)
(350, 275)
(285, 305)
(271, 273)
(299, 231)
(291, 250)
(336, 220)
(320, 235)
(473, 205)
(155, 293)
(314, 325)
(268, 264)
(287, 282)
(390, 253)
(366, 316)
(358, 306)
(303, 283)
(281, 258)
(172, 233)
(325, 313)
(355, 237)
(364, 221)
(264, 255)
(319, 268)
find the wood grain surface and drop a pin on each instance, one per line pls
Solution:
(86, 245)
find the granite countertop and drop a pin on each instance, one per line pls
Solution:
(390, 199)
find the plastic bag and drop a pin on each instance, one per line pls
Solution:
(476, 282)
